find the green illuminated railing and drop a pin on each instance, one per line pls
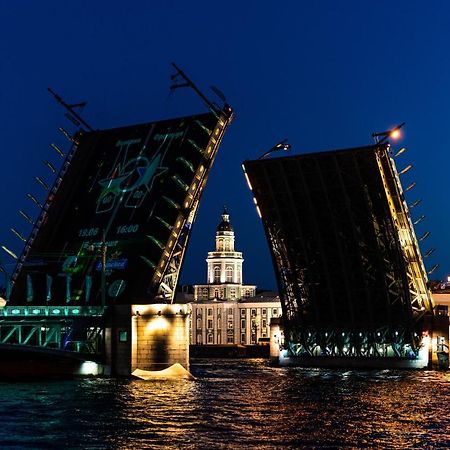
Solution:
(51, 311)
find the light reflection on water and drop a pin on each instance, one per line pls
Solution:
(232, 404)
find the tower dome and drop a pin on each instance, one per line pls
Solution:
(224, 268)
(225, 225)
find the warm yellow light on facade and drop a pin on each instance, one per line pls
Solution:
(157, 324)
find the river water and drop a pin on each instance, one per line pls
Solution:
(232, 404)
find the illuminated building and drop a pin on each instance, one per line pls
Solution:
(224, 267)
(224, 310)
(440, 339)
(245, 321)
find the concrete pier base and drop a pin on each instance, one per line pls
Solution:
(147, 337)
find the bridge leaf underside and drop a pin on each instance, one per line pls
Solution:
(348, 267)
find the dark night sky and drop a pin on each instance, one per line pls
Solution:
(324, 74)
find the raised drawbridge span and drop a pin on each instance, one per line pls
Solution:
(111, 233)
(349, 269)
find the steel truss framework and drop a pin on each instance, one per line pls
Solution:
(167, 278)
(348, 265)
(66, 325)
(166, 232)
(69, 328)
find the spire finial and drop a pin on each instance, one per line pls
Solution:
(225, 215)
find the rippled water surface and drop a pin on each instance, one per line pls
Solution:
(232, 404)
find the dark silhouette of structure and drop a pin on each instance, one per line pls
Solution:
(348, 265)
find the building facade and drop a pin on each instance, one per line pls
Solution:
(244, 321)
(226, 311)
(224, 268)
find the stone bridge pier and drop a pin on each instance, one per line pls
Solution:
(146, 337)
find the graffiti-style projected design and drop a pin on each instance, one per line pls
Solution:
(117, 227)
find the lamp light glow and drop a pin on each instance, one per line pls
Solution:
(10, 252)
(395, 134)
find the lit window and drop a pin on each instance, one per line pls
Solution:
(210, 338)
(123, 336)
(217, 274)
(229, 274)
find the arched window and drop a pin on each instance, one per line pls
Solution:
(220, 245)
(227, 245)
(229, 274)
(217, 274)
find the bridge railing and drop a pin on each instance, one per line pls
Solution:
(51, 311)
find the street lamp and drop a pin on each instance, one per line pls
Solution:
(282, 145)
(383, 136)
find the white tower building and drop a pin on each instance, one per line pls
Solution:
(224, 268)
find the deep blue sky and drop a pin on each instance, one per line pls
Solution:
(324, 74)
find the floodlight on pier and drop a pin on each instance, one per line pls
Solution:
(417, 202)
(429, 252)
(433, 269)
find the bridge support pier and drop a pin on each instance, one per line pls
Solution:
(146, 337)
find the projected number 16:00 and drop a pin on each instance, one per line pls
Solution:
(127, 229)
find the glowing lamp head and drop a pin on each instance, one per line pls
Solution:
(395, 134)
